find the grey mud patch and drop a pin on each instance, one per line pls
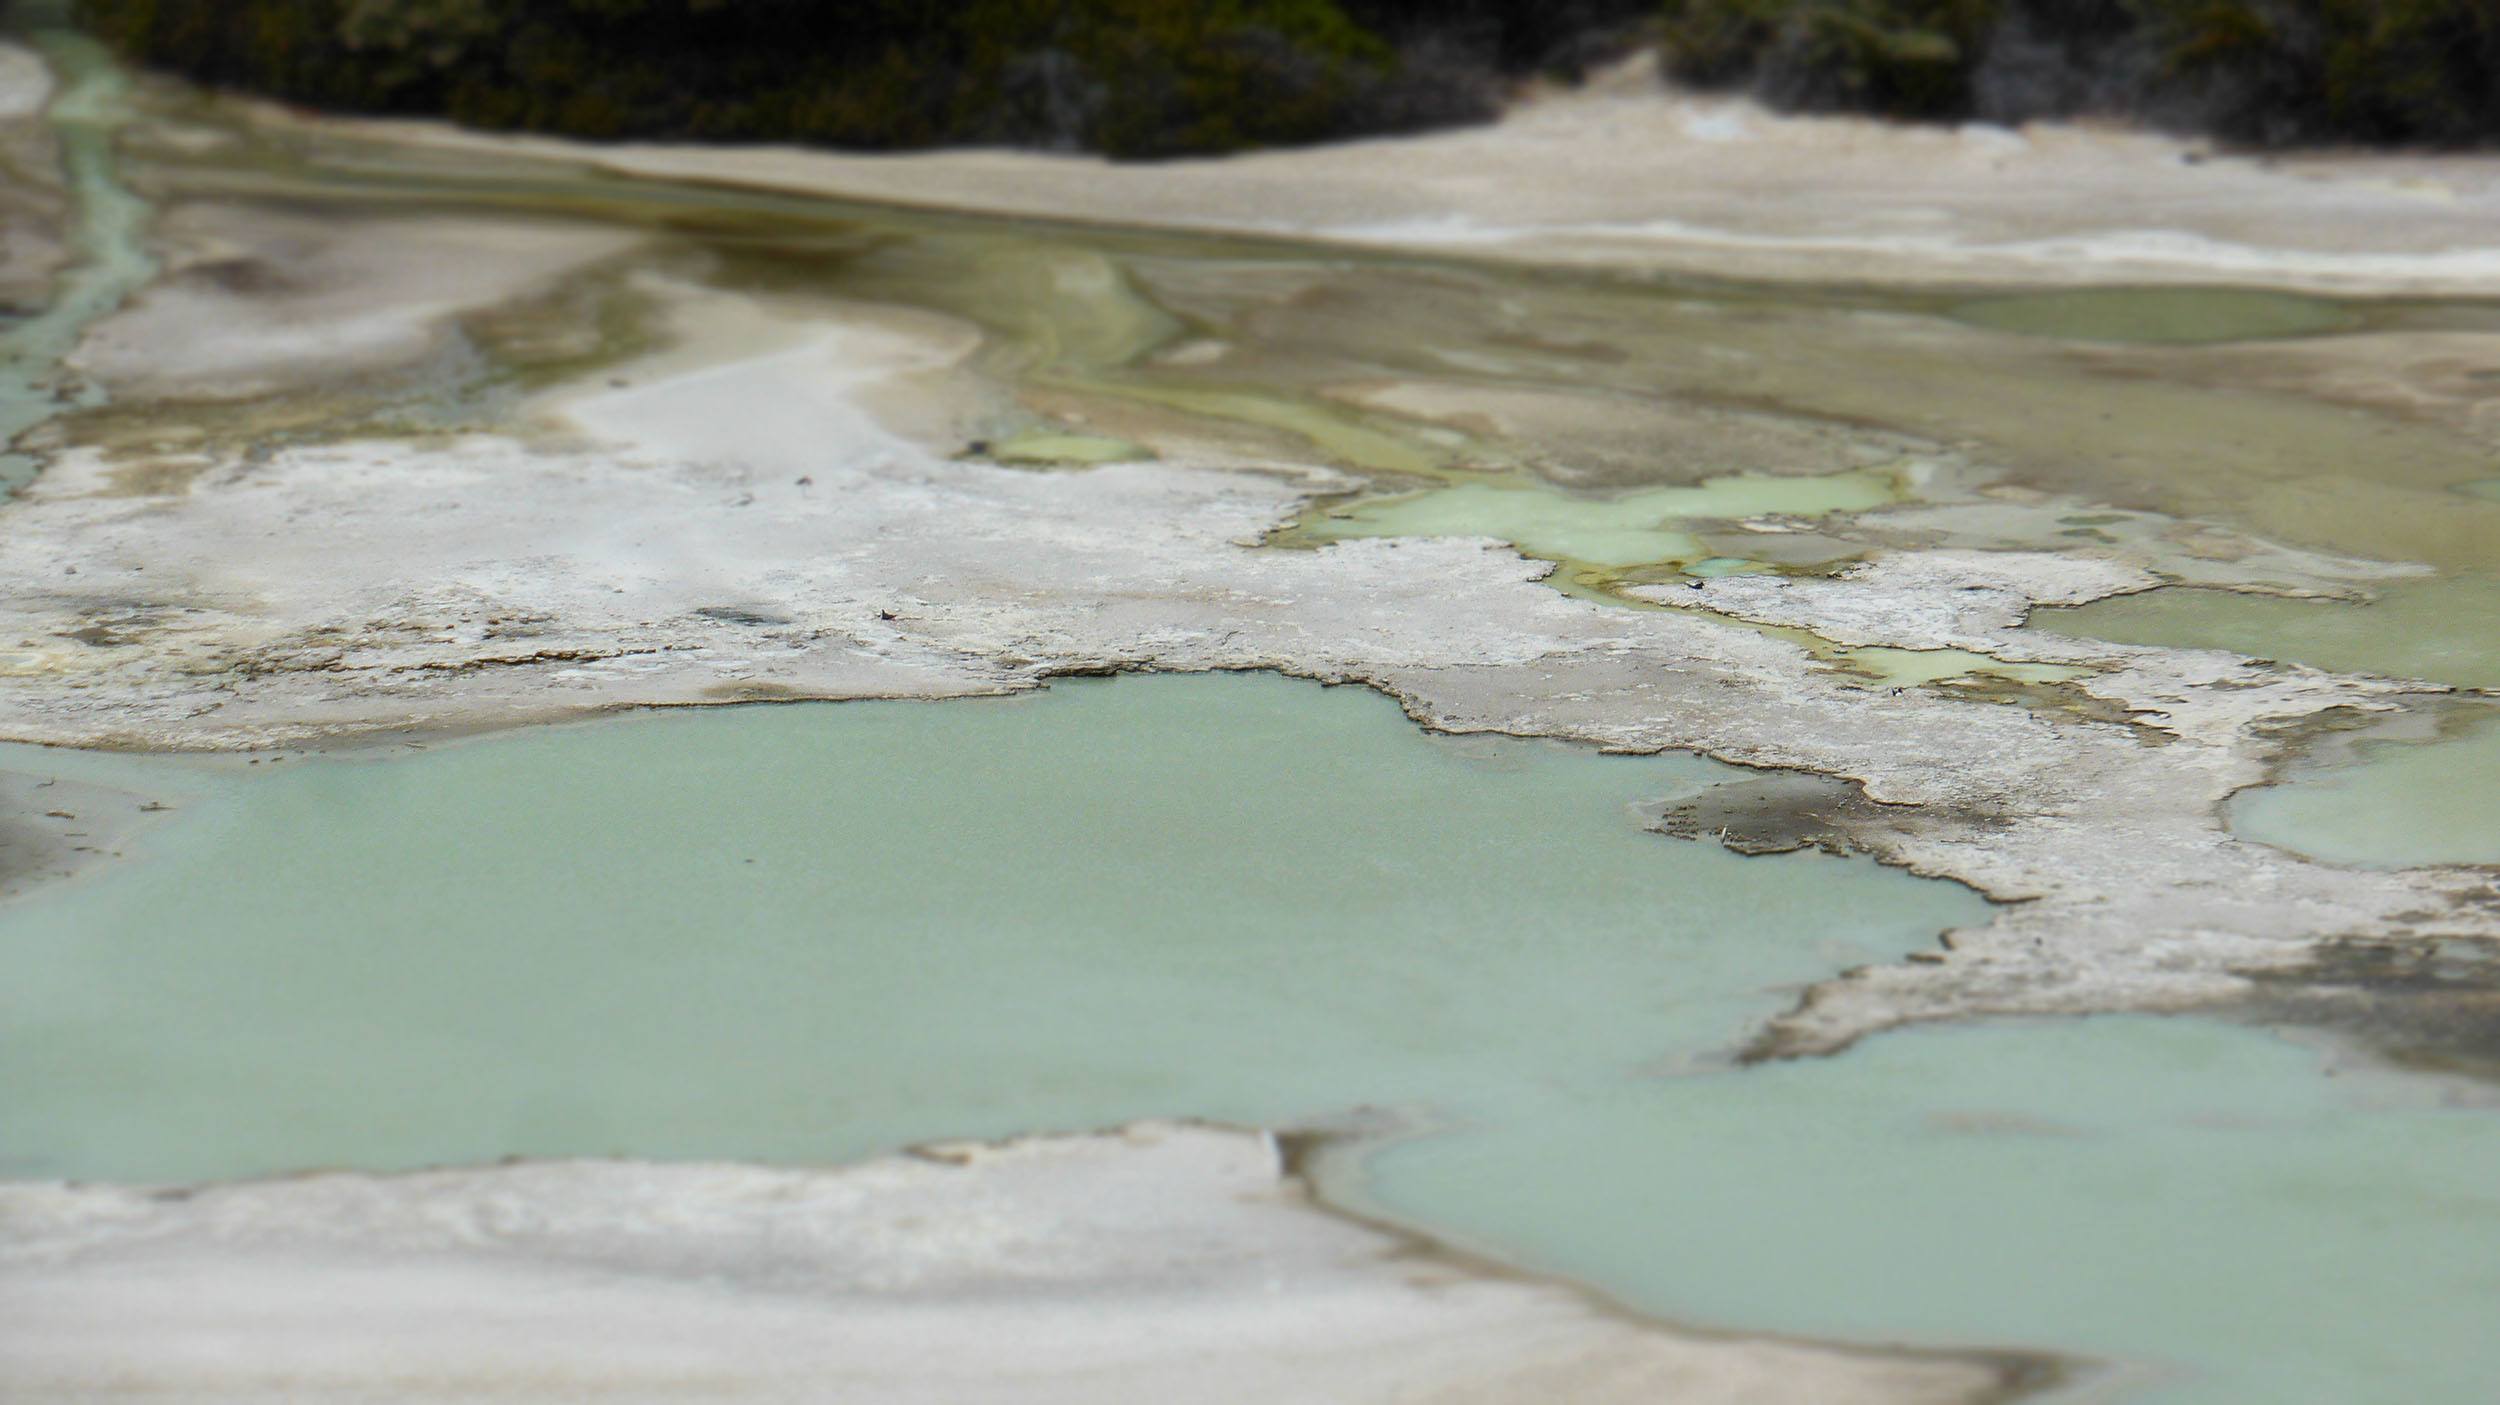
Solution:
(1782, 812)
(54, 828)
(2427, 1005)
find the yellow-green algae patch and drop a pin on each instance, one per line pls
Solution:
(2202, 1201)
(1919, 667)
(1644, 528)
(2174, 316)
(1340, 437)
(2205, 433)
(1876, 665)
(1602, 544)
(1058, 307)
(1050, 446)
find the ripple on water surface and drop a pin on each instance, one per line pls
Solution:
(2174, 316)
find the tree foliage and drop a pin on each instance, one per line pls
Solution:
(1132, 77)
(2273, 71)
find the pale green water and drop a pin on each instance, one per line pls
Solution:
(2443, 629)
(2401, 804)
(803, 933)
(2190, 1196)
(107, 242)
(2156, 315)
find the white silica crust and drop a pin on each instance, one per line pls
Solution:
(25, 84)
(1164, 1262)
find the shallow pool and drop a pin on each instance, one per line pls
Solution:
(806, 932)
(2206, 1203)
(803, 933)
(2387, 802)
(2441, 628)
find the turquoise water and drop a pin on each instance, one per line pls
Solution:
(806, 932)
(2191, 1197)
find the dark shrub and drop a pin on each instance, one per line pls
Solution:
(1132, 77)
(2267, 71)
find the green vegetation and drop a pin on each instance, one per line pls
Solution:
(1131, 77)
(2271, 71)
(1170, 77)
(1911, 58)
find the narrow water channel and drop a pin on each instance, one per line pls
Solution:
(106, 237)
(2212, 1205)
(2430, 797)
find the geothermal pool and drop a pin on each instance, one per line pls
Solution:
(815, 932)
(368, 486)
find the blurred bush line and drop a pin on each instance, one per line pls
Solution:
(1135, 78)
(1147, 78)
(2269, 72)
